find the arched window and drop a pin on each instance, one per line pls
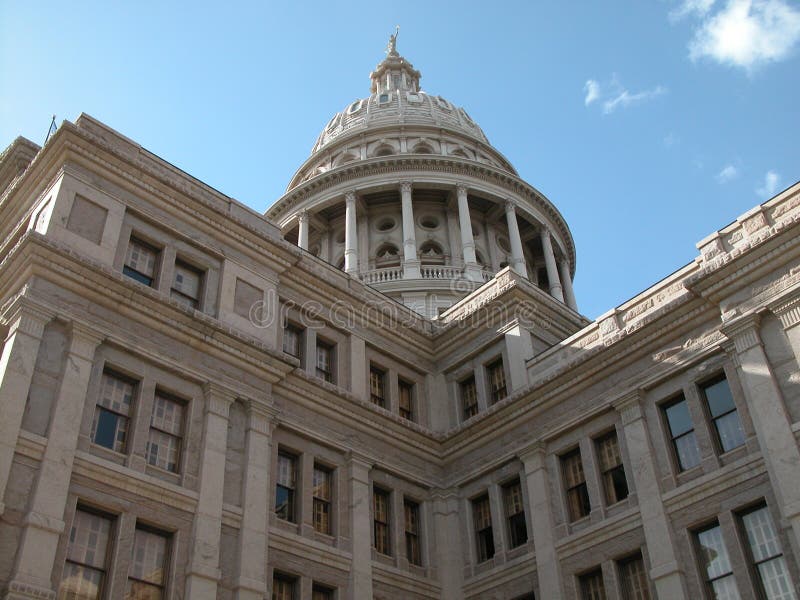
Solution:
(459, 152)
(384, 150)
(422, 148)
(431, 253)
(387, 255)
(345, 158)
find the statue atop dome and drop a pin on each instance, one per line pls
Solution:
(391, 47)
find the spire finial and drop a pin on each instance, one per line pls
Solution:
(391, 48)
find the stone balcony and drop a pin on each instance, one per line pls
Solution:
(428, 272)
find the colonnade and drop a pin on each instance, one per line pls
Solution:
(558, 272)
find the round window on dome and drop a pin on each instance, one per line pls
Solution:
(443, 103)
(354, 107)
(384, 98)
(386, 224)
(429, 222)
(413, 98)
(333, 122)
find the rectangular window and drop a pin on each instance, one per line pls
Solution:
(141, 262)
(285, 487)
(727, 426)
(766, 555)
(469, 397)
(377, 386)
(715, 565)
(684, 442)
(615, 485)
(187, 283)
(380, 506)
(325, 361)
(322, 499)
(112, 412)
(282, 587)
(633, 578)
(320, 592)
(166, 431)
(497, 381)
(515, 514)
(87, 557)
(147, 576)
(406, 400)
(575, 484)
(411, 510)
(292, 339)
(592, 587)
(484, 538)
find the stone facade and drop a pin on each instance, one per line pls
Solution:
(192, 406)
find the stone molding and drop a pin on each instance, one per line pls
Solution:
(26, 317)
(85, 340)
(533, 455)
(788, 311)
(218, 399)
(744, 332)
(406, 187)
(262, 416)
(629, 406)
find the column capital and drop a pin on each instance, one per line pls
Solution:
(510, 205)
(350, 196)
(544, 231)
(26, 317)
(262, 416)
(533, 456)
(85, 340)
(629, 406)
(360, 465)
(788, 311)
(461, 190)
(218, 398)
(303, 216)
(744, 332)
(406, 187)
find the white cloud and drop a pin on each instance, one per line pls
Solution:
(690, 7)
(770, 187)
(592, 91)
(614, 95)
(744, 33)
(728, 173)
(624, 98)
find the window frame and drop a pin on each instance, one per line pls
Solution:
(291, 491)
(484, 536)
(137, 275)
(330, 348)
(499, 392)
(320, 501)
(512, 519)
(377, 385)
(299, 333)
(607, 473)
(701, 388)
(584, 580)
(384, 527)
(412, 534)
(624, 585)
(473, 408)
(672, 438)
(287, 579)
(159, 393)
(708, 584)
(406, 413)
(129, 419)
(195, 303)
(104, 571)
(580, 489)
(168, 548)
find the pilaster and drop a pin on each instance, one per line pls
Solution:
(448, 540)
(360, 585)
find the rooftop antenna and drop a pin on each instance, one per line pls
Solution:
(51, 130)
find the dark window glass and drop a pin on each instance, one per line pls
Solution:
(469, 397)
(715, 564)
(412, 532)
(515, 513)
(592, 587)
(380, 506)
(285, 487)
(684, 443)
(484, 537)
(727, 426)
(633, 578)
(575, 484)
(615, 485)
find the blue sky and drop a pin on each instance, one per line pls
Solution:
(649, 124)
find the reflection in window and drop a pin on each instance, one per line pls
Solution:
(715, 564)
(766, 555)
(284, 487)
(87, 555)
(727, 426)
(112, 413)
(684, 442)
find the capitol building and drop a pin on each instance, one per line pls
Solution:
(383, 388)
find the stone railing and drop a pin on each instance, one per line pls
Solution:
(440, 272)
(382, 275)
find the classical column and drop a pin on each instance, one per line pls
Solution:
(447, 535)
(472, 269)
(360, 585)
(517, 255)
(302, 229)
(547, 565)
(664, 566)
(771, 421)
(350, 234)
(43, 524)
(566, 280)
(550, 263)
(411, 263)
(251, 580)
(25, 329)
(203, 571)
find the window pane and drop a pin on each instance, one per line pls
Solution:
(678, 418)
(286, 470)
(608, 452)
(291, 341)
(163, 450)
(729, 431)
(109, 429)
(80, 583)
(141, 258)
(187, 280)
(592, 587)
(140, 590)
(167, 415)
(322, 483)
(282, 589)
(116, 393)
(766, 551)
(482, 511)
(687, 450)
(573, 469)
(88, 539)
(149, 557)
(634, 579)
(725, 589)
(719, 398)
